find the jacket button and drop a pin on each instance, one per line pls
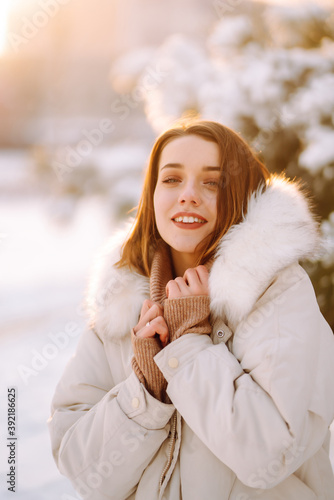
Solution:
(220, 334)
(135, 403)
(173, 363)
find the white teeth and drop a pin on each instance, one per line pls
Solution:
(189, 220)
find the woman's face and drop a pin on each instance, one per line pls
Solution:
(185, 197)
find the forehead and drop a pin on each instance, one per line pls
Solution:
(190, 150)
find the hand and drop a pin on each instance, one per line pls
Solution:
(195, 281)
(152, 313)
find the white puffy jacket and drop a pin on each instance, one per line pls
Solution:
(251, 405)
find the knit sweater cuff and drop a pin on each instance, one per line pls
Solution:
(145, 368)
(187, 315)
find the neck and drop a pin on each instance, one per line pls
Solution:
(182, 262)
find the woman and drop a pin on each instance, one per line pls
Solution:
(207, 371)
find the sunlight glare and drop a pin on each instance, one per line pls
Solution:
(5, 8)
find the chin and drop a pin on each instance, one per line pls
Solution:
(184, 248)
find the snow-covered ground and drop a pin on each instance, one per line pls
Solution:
(43, 269)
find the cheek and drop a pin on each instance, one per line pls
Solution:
(159, 204)
(155, 207)
(162, 201)
(212, 207)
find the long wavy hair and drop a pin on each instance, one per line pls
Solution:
(241, 174)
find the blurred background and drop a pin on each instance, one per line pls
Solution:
(85, 87)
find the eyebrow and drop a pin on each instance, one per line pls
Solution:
(179, 165)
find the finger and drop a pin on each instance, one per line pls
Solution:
(195, 286)
(203, 274)
(157, 326)
(172, 289)
(199, 273)
(154, 311)
(147, 327)
(160, 326)
(184, 288)
(147, 304)
(191, 277)
(146, 331)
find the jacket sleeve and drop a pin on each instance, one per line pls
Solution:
(265, 409)
(103, 436)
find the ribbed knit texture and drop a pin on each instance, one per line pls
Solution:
(161, 273)
(183, 315)
(145, 368)
(146, 348)
(187, 315)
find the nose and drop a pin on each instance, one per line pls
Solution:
(190, 194)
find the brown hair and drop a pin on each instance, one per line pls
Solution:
(241, 174)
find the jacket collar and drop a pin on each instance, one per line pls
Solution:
(277, 230)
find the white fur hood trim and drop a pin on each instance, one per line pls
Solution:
(278, 230)
(115, 295)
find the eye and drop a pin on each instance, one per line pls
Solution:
(212, 183)
(170, 180)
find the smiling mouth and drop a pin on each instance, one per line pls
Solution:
(189, 220)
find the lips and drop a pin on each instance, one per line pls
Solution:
(188, 220)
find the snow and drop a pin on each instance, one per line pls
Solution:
(128, 67)
(37, 475)
(291, 25)
(253, 84)
(327, 229)
(41, 248)
(185, 70)
(237, 77)
(320, 149)
(230, 33)
(104, 168)
(314, 102)
(43, 277)
(13, 168)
